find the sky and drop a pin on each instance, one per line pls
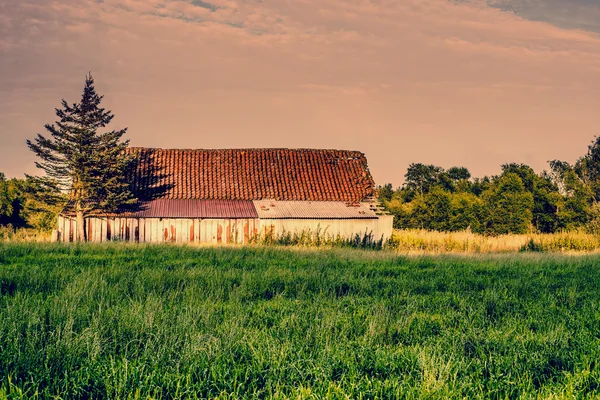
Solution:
(474, 83)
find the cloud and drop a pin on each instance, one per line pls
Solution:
(570, 14)
(413, 80)
(206, 5)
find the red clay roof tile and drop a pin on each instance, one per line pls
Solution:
(253, 174)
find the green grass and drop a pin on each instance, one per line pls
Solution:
(118, 321)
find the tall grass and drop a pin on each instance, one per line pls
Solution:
(320, 238)
(12, 234)
(121, 321)
(422, 241)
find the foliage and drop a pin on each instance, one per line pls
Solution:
(508, 206)
(123, 321)
(6, 206)
(562, 198)
(91, 167)
(22, 208)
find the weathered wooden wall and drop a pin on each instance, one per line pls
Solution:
(187, 230)
(160, 230)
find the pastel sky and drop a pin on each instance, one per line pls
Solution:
(476, 83)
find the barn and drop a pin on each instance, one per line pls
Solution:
(240, 195)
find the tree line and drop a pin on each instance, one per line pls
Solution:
(518, 200)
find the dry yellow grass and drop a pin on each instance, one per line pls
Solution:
(422, 241)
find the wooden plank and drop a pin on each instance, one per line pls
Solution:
(157, 231)
(179, 230)
(69, 230)
(59, 228)
(220, 232)
(95, 237)
(122, 223)
(141, 227)
(88, 227)
(173, 230)
(116, 229)
(185, 230)
(229, 236)
(205, 229)
(127, 228)
(149, 236)
(102, 230)
(166, 230)
(135, 237)
(109, 227)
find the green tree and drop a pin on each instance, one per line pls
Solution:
(466, 212)
(5, 201)
(385, 192)
(508, 206)
(436, 210)
(587, 168)
(79, 161)
(420, 178)
(460, 178)
(577, 196)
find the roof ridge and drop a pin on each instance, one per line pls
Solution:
(245, 149)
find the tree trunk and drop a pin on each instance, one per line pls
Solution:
(80, 225)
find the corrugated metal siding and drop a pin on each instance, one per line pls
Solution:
(273, 209)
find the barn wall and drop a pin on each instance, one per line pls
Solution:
(161, 230)
(187, 230)
(346, 228)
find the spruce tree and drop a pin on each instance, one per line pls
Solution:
(86, 166)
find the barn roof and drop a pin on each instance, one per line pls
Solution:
(252, 174)
(273, 209)
(178, 208)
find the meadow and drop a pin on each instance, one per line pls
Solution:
(122, 321)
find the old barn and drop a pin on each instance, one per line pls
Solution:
(238, 195)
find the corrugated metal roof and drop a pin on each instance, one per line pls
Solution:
(275, 209)
(171, 208)
(176, 208)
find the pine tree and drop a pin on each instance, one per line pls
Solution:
(86, 166)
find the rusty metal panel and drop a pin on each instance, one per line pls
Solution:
(188, 208)
(273, 209)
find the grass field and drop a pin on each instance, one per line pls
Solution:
(122, 321)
